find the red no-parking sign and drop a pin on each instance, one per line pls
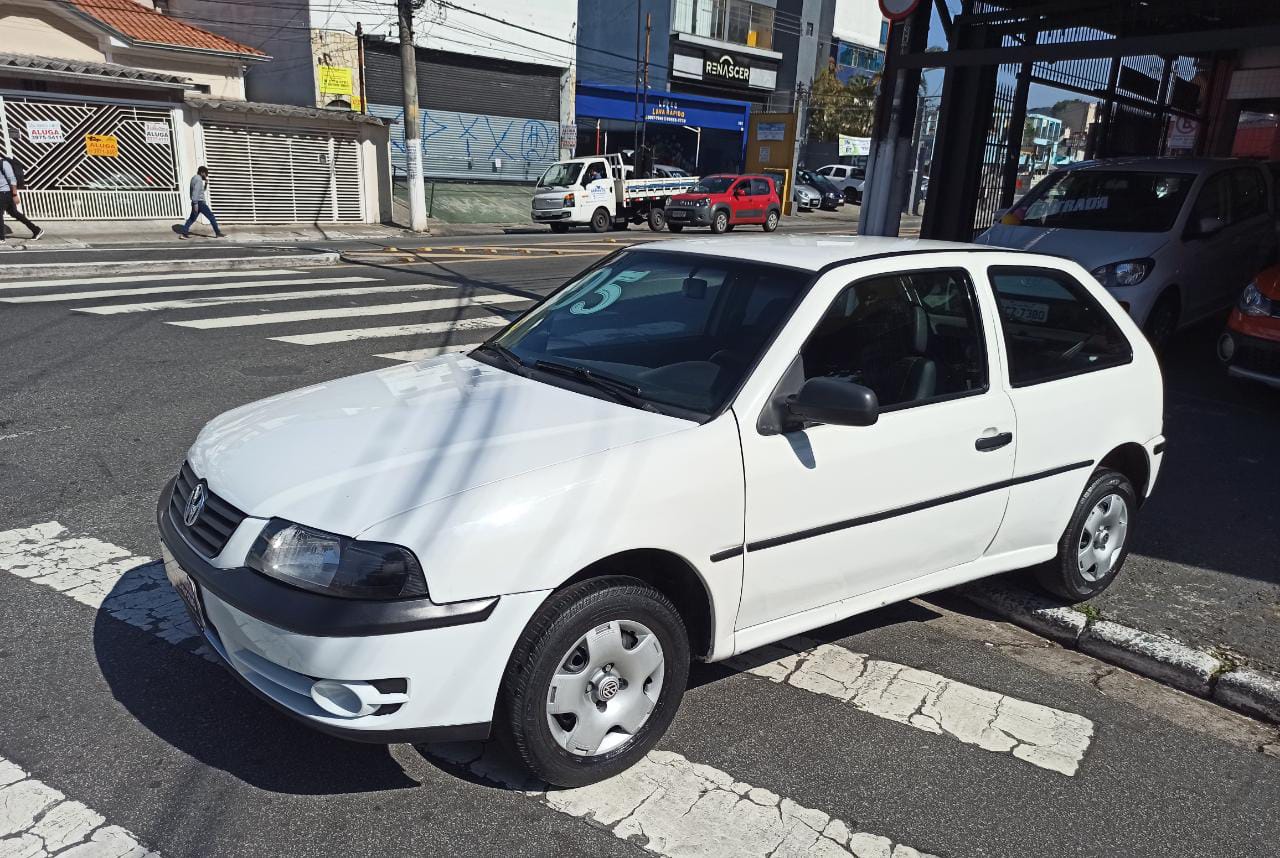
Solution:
(898, 10)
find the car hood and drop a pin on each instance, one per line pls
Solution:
(346, 454)
(1089, 247)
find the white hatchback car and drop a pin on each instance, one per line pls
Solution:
(694, 448)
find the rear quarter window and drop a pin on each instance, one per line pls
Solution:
(1053, 327)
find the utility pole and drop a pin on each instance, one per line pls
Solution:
(644, 111)
(801, 132)
(412, 126)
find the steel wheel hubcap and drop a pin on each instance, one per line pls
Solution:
(1102, 537)
(605, 688)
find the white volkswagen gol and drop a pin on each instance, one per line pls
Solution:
(695, 448)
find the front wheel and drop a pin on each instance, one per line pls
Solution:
(657, 219)
(720, 222)
(559, 228)
(675, 227)
(1096, 542)
(600, 220)
(1162, 322)
(594, 681)
(771, 222)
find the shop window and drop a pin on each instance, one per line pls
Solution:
(884, 32)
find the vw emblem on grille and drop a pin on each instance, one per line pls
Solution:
(195, 505)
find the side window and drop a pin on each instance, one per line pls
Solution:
(912, 338)
(1214, 200)
(742, 186)
(825, 171)
(840, 172)
(1248, 194)
(760, 187)
(1053, 327)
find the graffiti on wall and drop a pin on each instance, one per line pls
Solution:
(475, 146)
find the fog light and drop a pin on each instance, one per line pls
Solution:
(352, 698)
(1226, 347)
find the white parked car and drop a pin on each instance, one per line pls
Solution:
(693, 449)
(1173, 239)
(850, 179)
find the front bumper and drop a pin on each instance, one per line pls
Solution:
(1253, 358)
(280, 644)
(689, 216)
(548, 215)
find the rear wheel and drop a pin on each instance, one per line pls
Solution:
(771, 221)
(600, 220)
(657, 218)
(1096, 542)
(720, 222)
(594, 681)
(559, 228)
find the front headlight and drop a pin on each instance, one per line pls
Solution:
(1254, 303)
(702, 201)
(1128, 273)
(335, 565)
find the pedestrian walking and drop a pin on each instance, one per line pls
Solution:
(9, 182)
(200, 204)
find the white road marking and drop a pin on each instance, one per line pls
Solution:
(1043, 736)
(670, 806)
(326, 337)
(415, 355)
(199, 287)
(348, 312)
(38, 821)
(145, 278)
(107, 577)
(216, 300)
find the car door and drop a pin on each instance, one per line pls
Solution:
(1252, 227)
(835, 512)
(740, 201)
(1209, 263)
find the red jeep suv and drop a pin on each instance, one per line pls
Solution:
(722, 202)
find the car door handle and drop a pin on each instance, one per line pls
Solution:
(993, 442)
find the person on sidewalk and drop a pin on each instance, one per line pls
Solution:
(9, 200)
(200, 204)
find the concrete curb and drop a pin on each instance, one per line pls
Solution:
(1254, 693)
(234, 263)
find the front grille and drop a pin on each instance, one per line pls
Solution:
(216, 523)
(544, 203)
(1258, 355)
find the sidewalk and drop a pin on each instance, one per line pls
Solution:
(75, 235)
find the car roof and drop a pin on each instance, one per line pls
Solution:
(812, 253)
(1162, 165)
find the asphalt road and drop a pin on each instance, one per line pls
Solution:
(107, 700)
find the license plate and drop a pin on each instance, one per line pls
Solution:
(188, 589)
(677, 215)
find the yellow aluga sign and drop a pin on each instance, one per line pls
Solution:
(335, 80)
(101, 145)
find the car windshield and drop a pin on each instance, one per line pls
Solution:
(819, 183)
(560, 175)
(676, 332)
(1114, 200)
(712, 185)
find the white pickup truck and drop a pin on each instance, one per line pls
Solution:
(594, 191)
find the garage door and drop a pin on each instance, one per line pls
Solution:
(259, 174)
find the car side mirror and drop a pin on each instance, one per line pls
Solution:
(1207, 227)
(738, 192)
(836, 402)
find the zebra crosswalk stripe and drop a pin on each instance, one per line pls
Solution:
(217, 300)
(462, 326)
(176, 287)
(350, 312)
(144, 278)
(415, 355)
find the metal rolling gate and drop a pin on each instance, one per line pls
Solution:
(93, 160)
(259, 174)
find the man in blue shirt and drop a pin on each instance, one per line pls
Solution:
(9, 200)
(200, 204)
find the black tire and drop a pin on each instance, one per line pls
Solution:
(559, 228)
(771, 220)
(720, 222)
(522, 722)
(600, 221)
(1162, 322)
(1063, 576)
(675, 227)
(657, 218)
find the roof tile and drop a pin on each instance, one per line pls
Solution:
(147, 25)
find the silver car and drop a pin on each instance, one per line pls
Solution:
(1173, 239)
(806, 198)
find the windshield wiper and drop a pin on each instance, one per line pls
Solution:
(622, 391)
(510, 358)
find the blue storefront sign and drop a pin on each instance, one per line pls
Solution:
(603, 101)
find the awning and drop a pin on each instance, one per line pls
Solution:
(604, 101)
